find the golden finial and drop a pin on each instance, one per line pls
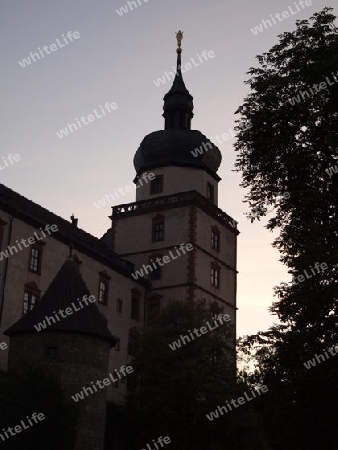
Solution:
(179, 36)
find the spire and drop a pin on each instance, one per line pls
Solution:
(178, 103)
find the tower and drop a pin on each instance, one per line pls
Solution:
(73, 346)
(177, 203)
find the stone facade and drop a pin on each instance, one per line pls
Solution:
(78, 361)
(16, 277)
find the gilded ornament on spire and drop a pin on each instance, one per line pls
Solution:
(179, 36)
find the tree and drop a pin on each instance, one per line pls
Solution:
(173, 390)
(289, 160)
(39, 393)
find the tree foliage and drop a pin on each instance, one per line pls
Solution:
(173, 390)
(292, 147)
(40, 393)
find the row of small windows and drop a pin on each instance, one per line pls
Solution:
(156, 187)
(158, 233)
(32, 296)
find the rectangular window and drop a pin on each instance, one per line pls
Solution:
(103, 292)
(132, 341)
(35, 259)
(215, 276)
(158, 230)
(135, 309)
(156, 273)
(29, 301)
(135, 306)
(156, 185)
(215, 239)
(119, 305)
(210, 192)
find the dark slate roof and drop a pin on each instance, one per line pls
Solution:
(37, 216)
(67, 287)
(177, 144)
(174, 147)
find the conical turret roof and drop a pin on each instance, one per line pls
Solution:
(66, 291)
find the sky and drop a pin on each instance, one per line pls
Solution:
(116, 56)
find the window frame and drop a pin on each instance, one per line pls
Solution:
(104, 278)
(38, 246)
(215, 243)
(31, 289)
(119, 301)
(211, 189)
(158, 220)
(135, 297)
(215, 275)
(152, 184)
(132, 337)
(159, 268)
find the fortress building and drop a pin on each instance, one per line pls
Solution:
(173, 242)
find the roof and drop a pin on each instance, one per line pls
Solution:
(37, 216)
(65, 291)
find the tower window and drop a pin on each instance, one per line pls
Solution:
(215, 239)
(156, 185)
(158, 229)
(156, 273)
(210, 192)
(215, 276)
